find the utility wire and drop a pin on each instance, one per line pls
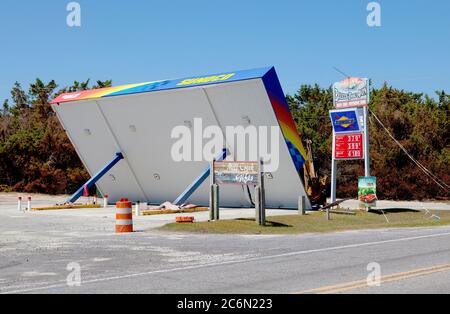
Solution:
(422, 167)
(442, 184)
(341, 72)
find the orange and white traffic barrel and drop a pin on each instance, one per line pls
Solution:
(124, 216)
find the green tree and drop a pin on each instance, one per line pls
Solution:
(420, 123)
(41, 94)
(5, 108)
(102, 84)
(35, 153)
(37, 156)
(20, 99)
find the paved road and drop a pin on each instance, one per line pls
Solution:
(35, 250)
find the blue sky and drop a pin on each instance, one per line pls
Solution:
(142, 40)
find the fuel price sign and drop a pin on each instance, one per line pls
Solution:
(348, 146)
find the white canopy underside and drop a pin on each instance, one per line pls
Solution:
(140, 126)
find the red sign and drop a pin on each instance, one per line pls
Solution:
(348, 146)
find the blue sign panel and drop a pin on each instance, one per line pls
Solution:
(345, 121)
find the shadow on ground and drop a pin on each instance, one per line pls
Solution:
(393, 211)
(268, 223)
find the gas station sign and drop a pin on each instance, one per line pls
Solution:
(346, 121)
(350, 125)
(351, 92)
(348, 146)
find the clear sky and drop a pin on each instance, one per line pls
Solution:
(143, 40)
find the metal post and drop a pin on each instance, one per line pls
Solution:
(19, 203)
(29, 204)
(328, 214)
(301, 205)
(216, 202)
(198, 182)
(215, 192)
(95, 178)
(262, 194)
(212, 176)
(333, 172)
(211, 202)
(212, 199)
(258, 205)
(366, 143)
(263, 208)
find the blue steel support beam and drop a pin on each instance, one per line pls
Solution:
(196, 184)
(95, 178)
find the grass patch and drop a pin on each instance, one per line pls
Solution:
(174, 211)
(66, 207)
(316, 223)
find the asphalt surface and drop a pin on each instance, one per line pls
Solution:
(36, 249)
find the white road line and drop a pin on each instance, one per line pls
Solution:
(350, 246)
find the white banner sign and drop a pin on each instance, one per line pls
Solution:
(351, 92)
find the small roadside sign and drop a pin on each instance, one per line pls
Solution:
(239, 173)
(367, 191)
(244, 173)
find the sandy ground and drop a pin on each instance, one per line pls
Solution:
(50, 200)
(104, 217)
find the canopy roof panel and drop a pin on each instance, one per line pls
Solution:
(137, 120)
(226, 77)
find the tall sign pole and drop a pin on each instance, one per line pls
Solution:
(333, 172)
(366, 143)
(366, 134)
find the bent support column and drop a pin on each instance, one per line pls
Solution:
(196, 184)
(95, 178)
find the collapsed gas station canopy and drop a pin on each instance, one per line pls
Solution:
(137, 121)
